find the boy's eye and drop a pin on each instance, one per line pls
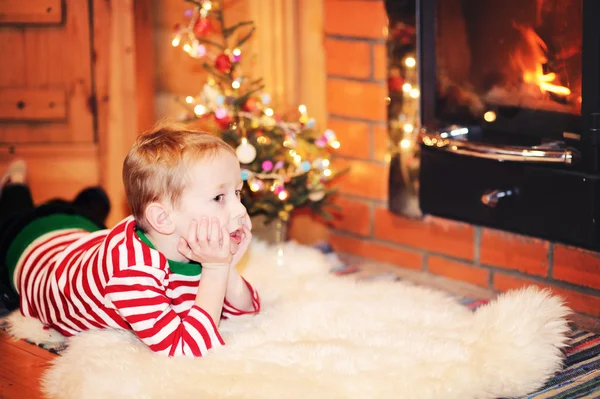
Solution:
(219, 198)
(238, 193)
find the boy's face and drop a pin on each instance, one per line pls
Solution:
(213, 191)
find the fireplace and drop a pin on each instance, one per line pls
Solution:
(510, 115)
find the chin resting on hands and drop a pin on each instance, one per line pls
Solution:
(208, 246)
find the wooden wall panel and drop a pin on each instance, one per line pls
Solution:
(50, 57)
(31, 11)
(55, 170)
(32, 104)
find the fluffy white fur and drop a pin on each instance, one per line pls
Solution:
(324, 336)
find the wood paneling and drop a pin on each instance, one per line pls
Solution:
(50, 57)
(32, 104)
(31, 11)
(55, 170)
(114, 70)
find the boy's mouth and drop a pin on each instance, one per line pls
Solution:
(236, 236)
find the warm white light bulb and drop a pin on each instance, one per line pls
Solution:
(269, 112)
(189, 99)
(410, 62)
(176, 41)
(302, 108)
(199, 109)
(235, 84)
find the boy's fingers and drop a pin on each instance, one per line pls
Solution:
(202, 231)
(226, 241)
(214, 233)
(183, 247)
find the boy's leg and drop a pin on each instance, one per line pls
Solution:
(15, 198)
(93, 203)
(15, 202)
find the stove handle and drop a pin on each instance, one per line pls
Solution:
(538, 154)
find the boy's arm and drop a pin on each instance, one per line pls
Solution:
(240, 298)
(138, 294)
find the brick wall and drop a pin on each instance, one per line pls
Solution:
(356, 91)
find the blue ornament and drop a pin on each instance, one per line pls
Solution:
(305, 166)
(245, 175)
(311, 123)
(220, 100)
(265, 98)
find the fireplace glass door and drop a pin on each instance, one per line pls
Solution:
(509, 66)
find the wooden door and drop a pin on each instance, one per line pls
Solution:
(47, 101)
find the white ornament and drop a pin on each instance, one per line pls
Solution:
(210, 93)
(316, 195)
(245, 152)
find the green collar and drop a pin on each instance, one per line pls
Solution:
(185, 269)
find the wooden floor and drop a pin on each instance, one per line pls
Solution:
(22, 364)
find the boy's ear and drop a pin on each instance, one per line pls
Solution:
(157, 216)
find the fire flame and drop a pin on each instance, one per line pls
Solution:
(532, 65)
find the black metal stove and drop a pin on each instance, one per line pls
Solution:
(510, 105)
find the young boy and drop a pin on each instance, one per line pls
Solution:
(167, 272)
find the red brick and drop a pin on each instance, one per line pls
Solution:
(516, 252)
(376, 251)
(458, 271)
(381, 142)
(432, 234)
(576, 266)
(355, 18)
(380, 67)
(357, 99)
(348, 58)
(577, 301)
(355, 215)
(353, 136)
(364, 179)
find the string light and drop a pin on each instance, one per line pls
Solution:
(189, 99)
(269, 112)
(282, 195)
(199, 109)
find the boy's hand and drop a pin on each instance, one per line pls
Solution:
(210, 247)
(243, 247)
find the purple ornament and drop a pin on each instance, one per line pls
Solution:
(278, 189)
(321, 142)
(267, 166)
(220, 113)
(188, 13)
(201, 50)
(279, 165)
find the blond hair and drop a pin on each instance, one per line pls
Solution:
(155, 167)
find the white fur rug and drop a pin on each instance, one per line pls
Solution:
(322, 336)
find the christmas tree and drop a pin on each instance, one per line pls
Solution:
(285, 162)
